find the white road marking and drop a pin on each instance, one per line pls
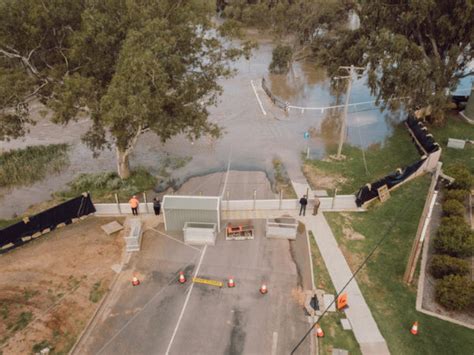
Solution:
(173, 280)
(258, 98)
(176, 240)
(274, 343)
(186, 301)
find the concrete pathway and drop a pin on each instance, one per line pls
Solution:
(363, 324)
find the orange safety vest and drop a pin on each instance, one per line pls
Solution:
(133, 202)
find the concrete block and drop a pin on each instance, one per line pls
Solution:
(336, 351)
(25, 239)
(60, 225)
(74, 220)
(111, 227)
(346, 325)
(456, 143)
(47, 230)
(36, 235)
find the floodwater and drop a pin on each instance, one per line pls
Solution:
(250, 141)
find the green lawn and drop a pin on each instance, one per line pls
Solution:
(391, 301)
(334, 335)
(455, 128)
(396, 152)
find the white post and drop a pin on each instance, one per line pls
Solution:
(146, 204)
(254, 198)
(281, 198)
(118, 204)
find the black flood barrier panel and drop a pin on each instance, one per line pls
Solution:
(460, 101)
(369, 191)
(424, 140)
(50, 218)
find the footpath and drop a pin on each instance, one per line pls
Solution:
(363, 324)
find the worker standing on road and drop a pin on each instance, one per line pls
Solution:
(303, 203)
(156, 206)
(316, 205)
(134, 205)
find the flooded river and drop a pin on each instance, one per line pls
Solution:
(251, 139)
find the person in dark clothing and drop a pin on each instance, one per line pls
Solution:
(303, 203)
(156, 206)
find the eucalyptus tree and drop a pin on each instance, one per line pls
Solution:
(133, 66)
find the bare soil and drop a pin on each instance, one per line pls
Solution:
(318, 180)
(46, 286)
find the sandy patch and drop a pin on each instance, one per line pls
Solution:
(319, 180)
(46, 285)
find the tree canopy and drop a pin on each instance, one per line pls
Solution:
(412, 49)
(133, 66)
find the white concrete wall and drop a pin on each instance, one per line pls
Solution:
(342, 202)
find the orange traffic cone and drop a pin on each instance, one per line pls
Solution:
(231, 282)
(182, 279)
(414, 328)
(135, 281)
(319, 331)
(263, 289)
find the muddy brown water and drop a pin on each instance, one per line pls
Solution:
(251, 140)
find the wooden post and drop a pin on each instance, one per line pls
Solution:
(334, 198)
(254, 199)
(417, 243)
(118, 203)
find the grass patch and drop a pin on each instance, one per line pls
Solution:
(97, 292)
(335, 335)
(391, 301)
(21, 167)
(103, 186)
(396, 152)
(322, 280)
(28, 294)
(23, 319)
(282, 181)
(8, 222)
(454, 127)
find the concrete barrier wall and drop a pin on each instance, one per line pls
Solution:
(341, 202)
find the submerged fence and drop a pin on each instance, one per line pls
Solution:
(43, 222)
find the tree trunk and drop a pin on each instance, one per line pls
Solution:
(123, 164)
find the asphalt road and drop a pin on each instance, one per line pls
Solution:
(149, 319)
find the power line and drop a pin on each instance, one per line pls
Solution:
(352, 277)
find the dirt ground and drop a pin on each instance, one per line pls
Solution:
(50, 287)
(318, 180)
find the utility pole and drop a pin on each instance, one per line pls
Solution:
(352, 70)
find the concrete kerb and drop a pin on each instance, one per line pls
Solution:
(112, 289)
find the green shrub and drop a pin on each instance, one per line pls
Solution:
(462, 177)
(443, 265)
(103, 186)
(20, 167)
(454, 239)
(281, 59)
(455, 292)
(456, 194)
(453, 208)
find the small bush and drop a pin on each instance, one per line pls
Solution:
(455, 292)
(463, 178)
(97, 292)
(281, 59)
(444, 265)
(42, 345)
(456, 194)
(453, 208)
(454, 239)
